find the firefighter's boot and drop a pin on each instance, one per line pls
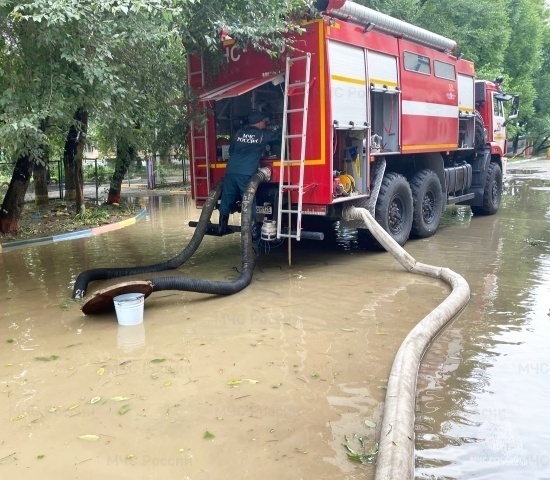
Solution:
(222, 227)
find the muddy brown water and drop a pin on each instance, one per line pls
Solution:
(282, 374)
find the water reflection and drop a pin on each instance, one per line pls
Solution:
(131, 337)
(482, 389)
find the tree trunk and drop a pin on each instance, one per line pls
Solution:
(40, 175)
(124, 155)
(79, 174)
(68, 163)
(12, 206)
(72, 158)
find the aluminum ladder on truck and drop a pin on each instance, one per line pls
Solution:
(199, 136)
(300, 88)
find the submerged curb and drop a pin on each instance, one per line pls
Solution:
(90, 232)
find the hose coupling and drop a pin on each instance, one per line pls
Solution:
(266, 171)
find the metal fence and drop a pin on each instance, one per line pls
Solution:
(151, 173)
(55, 178)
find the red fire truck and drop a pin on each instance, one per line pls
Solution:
(374, 112)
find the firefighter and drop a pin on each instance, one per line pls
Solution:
(245, 152)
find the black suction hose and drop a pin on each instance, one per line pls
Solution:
(84, 278)
(247, 252)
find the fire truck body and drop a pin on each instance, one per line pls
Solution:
(390, 124)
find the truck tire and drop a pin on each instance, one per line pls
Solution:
(479, 131)
(427, 203)
(492, 191)
(394, 207)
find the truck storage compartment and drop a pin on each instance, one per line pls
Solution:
(458, 178)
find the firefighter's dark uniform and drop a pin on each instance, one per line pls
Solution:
(245, 152)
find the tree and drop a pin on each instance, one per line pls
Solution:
(70, 54)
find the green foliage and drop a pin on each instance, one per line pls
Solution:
(507, 38)
(124, 63)
(92, 216)
(103, 173)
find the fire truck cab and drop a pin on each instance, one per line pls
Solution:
(374, 112)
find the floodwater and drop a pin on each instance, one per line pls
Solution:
(484, 385)
(275, 380)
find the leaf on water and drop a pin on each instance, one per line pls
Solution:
(100, 371)
(360, 458)
(8, 459)
(395, 443)
(120, 399)
(52, 410)
(40, 457)
(130, 456)
(277, 385)
(19, 417)
(208, 435)
(301, 450)
(251, 380)
(354, 456)
(348, 448)
(9, 340)
(315, 376)
(47, 359)
(158, 360)
(124, 409)
(167, 383)
(369, 423)
(234, 383)
(374, 449)
(95, 400)
(72, 407)
(89, 437)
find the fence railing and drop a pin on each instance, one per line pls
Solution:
(150, 173)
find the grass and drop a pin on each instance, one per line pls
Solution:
(56, 218)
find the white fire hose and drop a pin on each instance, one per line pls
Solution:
(396, 444)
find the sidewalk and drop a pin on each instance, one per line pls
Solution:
(89, 232)
(134, 187)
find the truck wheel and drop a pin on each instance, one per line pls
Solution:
(492, 192)
(394, 207)
(427, 203)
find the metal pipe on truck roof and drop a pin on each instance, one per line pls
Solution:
(369, 18)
